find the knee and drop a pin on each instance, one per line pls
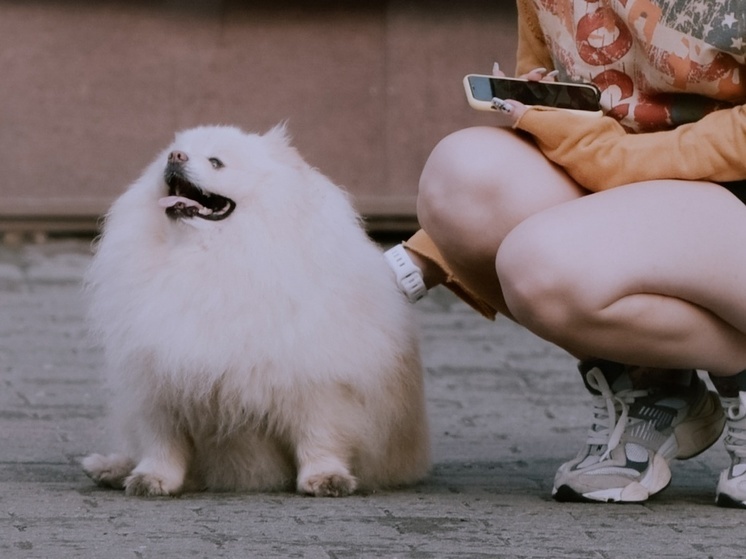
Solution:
(455, 180)
(542, 283)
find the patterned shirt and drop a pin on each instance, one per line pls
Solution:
(658, 63)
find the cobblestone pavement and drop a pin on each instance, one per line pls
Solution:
(506, 409)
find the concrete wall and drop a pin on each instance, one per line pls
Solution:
(91, 91)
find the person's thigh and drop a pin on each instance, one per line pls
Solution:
(652, 273)
(476, 186)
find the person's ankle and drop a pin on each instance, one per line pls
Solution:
(729, 386)
(638, 377)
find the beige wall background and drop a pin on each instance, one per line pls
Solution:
(91, 91)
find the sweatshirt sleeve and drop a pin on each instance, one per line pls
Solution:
(532, 49)
(599, 154)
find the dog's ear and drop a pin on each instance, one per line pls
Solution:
(279, 134)
(280, 141)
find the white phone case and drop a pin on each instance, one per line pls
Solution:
(481, 105)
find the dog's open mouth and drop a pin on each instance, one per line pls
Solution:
(187, 200)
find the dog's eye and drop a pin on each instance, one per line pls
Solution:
(216, 163)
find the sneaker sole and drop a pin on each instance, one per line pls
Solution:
(729, 502)
(633, 493)
(655, 481)
(566, 494)
(627, 495)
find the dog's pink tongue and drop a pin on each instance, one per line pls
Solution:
(170, 201)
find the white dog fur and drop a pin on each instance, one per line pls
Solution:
(271, 350)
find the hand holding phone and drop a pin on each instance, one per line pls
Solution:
(481, 90)
(501, 105)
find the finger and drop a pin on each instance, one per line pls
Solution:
(518, 109)
(502, 105)
(535, 75)
(496, 70)
(551, 76)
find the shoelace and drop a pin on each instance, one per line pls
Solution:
(735, 440)
(608, 427)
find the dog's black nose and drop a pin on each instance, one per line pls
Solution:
(177, 157)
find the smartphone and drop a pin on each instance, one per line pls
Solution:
(480, 90)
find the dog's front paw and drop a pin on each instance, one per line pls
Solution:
(334, 484)
(149, 485)
(108, 471)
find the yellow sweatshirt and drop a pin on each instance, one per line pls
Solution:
(675, 70)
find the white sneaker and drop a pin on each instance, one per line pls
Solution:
(731, 489)
(635, 434)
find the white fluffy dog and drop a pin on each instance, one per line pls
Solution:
(255, 338)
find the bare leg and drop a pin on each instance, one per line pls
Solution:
(477, 185)
(652, 273)
(489, 194)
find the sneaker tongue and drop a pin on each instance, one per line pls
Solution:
(622, 382)
(611, 371)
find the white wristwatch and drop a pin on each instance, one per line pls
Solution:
(408, 275)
